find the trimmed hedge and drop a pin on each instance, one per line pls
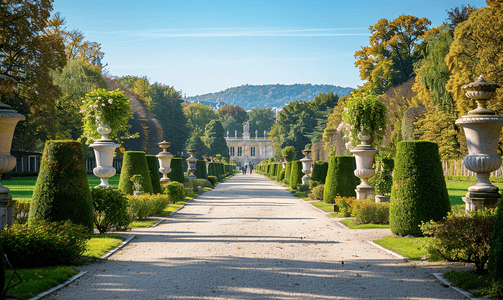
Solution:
(278, 173)
(288, 170)
(133, 163)
(176, 173)
(495, 261)
(419, 193)
(340, 180)
(201, 172)
(153, 170)
(62, 191)
(296, 174)
(214, 170)
(320, 169)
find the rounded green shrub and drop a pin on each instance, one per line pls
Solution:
(320, 169)
(43, 243)
(288, 170)
(281, 175)
(153, 170)
(176, 173)
(495, 261)
(110, 207)
(212, 179)
(340, 180)
(419, 193)
(62, 190)
(175, 191)
(289, 153)
(278, 173)
(134, 163)
(201, 172)
(296, 174)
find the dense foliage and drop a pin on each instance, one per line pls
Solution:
(340, 180)
(319, 173)
(110, 208)
(495, 260)
(295, 174)
(176, 173)
(43, 243)
(419, 193)
(62, 190)
(153, 170)
(134, 163)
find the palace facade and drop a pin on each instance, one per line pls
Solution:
(246, 149)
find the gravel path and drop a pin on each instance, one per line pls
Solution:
(249, 238)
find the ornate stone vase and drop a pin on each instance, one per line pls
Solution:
(104, 150)
(364, 157)
(482, 129)
(192, 160)
(8, 121)
(306, 166)
(164, 158)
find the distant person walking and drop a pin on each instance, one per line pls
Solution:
(244, 169)
(250, 166)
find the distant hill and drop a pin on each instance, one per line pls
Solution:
(271, 95)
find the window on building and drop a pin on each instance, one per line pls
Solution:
(231, 151)
(240, 151)
(260, 151)
(252, 151)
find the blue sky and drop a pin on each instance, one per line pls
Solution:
(202, 47)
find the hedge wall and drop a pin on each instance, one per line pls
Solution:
(419, 192)
(201, 172)
(288, 170)
(153, 169)
(133, 163)
(320, 169)
(340, 178)
(296, 174)
(62, 191)
(176, 173)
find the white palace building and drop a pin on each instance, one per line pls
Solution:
(246, 149)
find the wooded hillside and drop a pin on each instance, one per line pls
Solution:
(272, 95)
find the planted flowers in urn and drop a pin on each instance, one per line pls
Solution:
(364, 120)
(106, 115)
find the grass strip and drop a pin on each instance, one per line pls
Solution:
(350, 223)
(37, 280)
(408, 247)
(143, 223)
(323, 206)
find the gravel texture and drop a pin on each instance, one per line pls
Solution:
(249, 238)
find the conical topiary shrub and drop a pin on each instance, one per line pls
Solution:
(320, 169)
(278, 173)
(134, 163)
(296, 174)
(288, 170)
(419, 193)
(62, 190)
(340, 178)
(201, 172)
(153, 170)
(176, 173)
(495, 261)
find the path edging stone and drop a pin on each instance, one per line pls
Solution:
(440, 276)
(389, 251)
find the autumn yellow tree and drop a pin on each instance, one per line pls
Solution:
(394, 48)
(477, 49)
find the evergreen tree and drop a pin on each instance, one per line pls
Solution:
(214, 139)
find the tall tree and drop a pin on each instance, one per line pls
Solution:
(393, 50)
(168, 110)
(214, 139)
(232, 118)
(28, 53)
(261, 119)
(198, 115)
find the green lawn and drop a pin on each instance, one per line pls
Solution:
(37, 280)
(409, 247)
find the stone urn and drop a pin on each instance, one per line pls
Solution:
(104, 150)
(364, 157)
(283, 162)
(192, 160)
(306, 166)
(8, 121)
(164, 159)
(207, 161)
(482, 129)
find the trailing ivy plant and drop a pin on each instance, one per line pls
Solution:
(365, 114)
